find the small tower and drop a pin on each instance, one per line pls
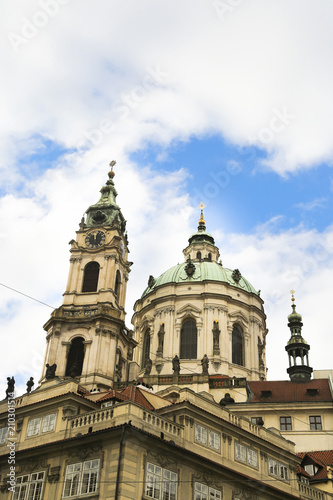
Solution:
(297, 347)
(86, 337)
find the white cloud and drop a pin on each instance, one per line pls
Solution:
(243, 75)
(310, 205)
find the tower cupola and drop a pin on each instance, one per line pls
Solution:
(201, 244)
(297, 348)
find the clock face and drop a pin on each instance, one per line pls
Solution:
(95, 239)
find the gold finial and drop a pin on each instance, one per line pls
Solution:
(292, 296)
(112, 164)
(202, 220)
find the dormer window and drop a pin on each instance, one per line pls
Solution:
(311, 469)
(266, 394)
(312, 392)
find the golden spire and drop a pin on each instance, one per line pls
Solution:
(292, 296)
(202, 222)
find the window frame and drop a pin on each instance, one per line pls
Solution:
(200, 434)
(166, 488)
(36, 425)
(3, 435)
(207, 437)
(279, 470)
(317, 425)
(29, 484)
(74, 477)
(205, 492)
(246, 455)
(237, 345)
(216, 441)
(90, 278)
(286, 423)
(188, 344)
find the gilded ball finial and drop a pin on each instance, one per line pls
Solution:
(111, 174)
(292, 296)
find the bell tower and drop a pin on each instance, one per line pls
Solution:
(86, 336)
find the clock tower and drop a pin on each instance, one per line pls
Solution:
(86, 336)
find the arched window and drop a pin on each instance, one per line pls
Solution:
(210, 257)
(75, 358)
(188, 340)
(145, 348)
(237, 346)
(199, 255)
(117, 283)
(90, 277)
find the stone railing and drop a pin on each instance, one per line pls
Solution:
(91, 418)
(309, 492)
(162, 424)
(227, 382)
(121, 413)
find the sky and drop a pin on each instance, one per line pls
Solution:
(228, 102)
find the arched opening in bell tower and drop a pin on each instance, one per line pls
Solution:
(75, 358)
(188, 340)
(237, 346)
(90, 277)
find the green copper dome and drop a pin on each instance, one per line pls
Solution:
(294, 317)
(204, 271)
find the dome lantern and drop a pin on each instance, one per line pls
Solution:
(297, 348)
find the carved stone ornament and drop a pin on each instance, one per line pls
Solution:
(32, 466)
(236, 275)
(162, 460)
(190, 268)
(159, 367)
(69, 411)
(216, 338)
(243, 494)
(207, 478)
(84, 452)
(50, 371)
(19, 425)
(54, 474)
(151, 281)
(160, 335)
(4, 486)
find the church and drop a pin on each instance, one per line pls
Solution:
(178, 407)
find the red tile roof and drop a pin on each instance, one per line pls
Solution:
(287, 391)
(130, 393)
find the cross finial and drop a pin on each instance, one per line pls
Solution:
(202, 206)
(292, 296)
